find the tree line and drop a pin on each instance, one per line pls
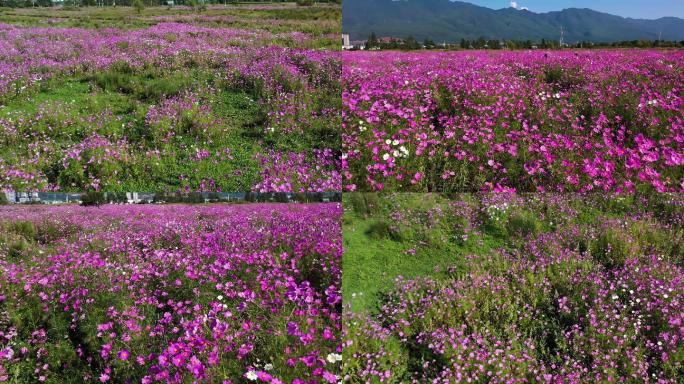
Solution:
(411, 43)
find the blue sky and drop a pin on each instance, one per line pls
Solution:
(644, 9)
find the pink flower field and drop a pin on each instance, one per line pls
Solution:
(513, 288)
(173, 294)
(529, 121)
(172, 106)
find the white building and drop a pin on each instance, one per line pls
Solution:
(346, 43)
(22, 197)
(132, 197)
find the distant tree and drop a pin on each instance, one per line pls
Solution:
(429, 44)
(305, 3)
(494, 44)
(372, 41)
(464, 44)
(196, 5)
(3, 198)
(138, 5)
(411, 43)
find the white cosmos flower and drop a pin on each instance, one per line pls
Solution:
(251, 375)
(268, 366)
(388, 142)
(333, 357)
(395, 142)
(386, 156)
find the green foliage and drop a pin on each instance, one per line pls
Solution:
(610, 248)
(17, 248)
(138, 5)
(26, 229)
(364, 204)
(553, 74)
(146, 85)
(523, 224)
(380, 229)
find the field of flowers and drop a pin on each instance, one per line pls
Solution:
(538, 289)
(319, 25)
(525, 120)
(179, 103)
(171, 293)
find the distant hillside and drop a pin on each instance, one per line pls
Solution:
(450, 21)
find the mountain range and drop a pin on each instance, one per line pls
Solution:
(446, 20)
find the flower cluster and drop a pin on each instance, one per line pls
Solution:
(87, 163)
(293, 172)
(184, 114)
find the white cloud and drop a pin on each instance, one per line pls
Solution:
(514, 4)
